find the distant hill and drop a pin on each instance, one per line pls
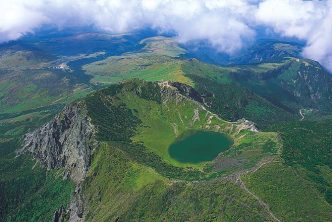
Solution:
(261, 51)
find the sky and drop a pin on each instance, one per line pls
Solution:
(228, 25)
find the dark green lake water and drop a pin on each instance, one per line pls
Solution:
(199, 146)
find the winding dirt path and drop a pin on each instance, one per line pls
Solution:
(302, 115)
(236, 178)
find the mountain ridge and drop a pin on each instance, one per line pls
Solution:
(157, 93)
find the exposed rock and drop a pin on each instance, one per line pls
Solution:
(65, 142)
(190, 92)
(60, 215)
(195, 116)
(75, 210)
(76, 206)
(244, 124)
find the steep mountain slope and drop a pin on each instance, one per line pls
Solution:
(67, 142)
(131, 176)
(25, 186)
(295, 84)
(232, 100)
(138, 121)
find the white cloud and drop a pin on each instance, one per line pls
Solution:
(307, 20)
(293, 18)
(18, 19)
(220, 22)
(226, 25)
(319, 46)
(217, 21)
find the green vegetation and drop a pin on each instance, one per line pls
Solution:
(288, 192)
(144, 123)
(304, 179)
(47, 192)
(308, 143)
(113, 180)
(28, 81)
(157, 61)
(136, 192)
(132, 176)
(103, 113)
(230, 100)
(291, 85)
(27, 191)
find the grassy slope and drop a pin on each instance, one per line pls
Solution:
(289, 193)
(176, 116)
(156, 119)
(117, 188)
(157, 61)
(303, 179)
(228, 98)
(292, 85)
(308, 144)
(129, 183)
(278, 185)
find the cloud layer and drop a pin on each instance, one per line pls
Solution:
(227, 25)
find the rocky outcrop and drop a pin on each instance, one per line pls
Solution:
(243, 124)
(66, 142)
(191, 93)
(75, 209)
(76, 206)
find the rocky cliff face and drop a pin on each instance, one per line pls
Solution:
(312, 81)
(74, 212)
(67, 142)
(187, 91)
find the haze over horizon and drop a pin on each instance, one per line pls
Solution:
(228, 26)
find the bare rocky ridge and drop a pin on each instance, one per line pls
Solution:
(189, 92)
(66, 142)
(74, 212)
(244, 124)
